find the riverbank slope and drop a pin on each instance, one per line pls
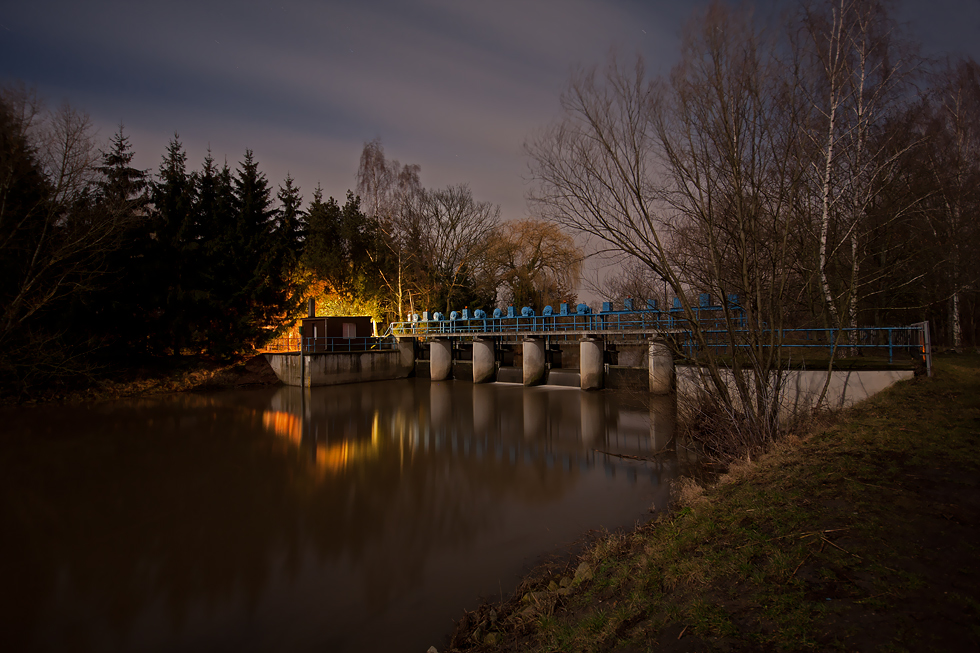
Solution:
(155, 376)
(864, 535)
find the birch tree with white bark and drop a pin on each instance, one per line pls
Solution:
(954, 165)
(853, 70)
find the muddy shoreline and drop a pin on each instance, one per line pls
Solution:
(160, 376)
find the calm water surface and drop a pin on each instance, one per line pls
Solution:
(352, 518)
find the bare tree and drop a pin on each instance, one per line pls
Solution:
(57, 248)
(390, 193)
(853, 71)
(634, 280)
(709, 152)
(954, 165)
(456, 232)
(536, 263)
(53, 239)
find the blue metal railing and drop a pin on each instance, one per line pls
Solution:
(644, 320)
(913, 339)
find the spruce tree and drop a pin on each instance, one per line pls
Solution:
(215, 221)
(175, 258)
(122, 187)
(289, 234)
(323, 250)
(119, 310)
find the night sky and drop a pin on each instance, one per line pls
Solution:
(453, 86)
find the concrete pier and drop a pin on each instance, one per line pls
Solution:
(661, 363)
(533, 361)
(483, 361)
(591, 363)
(406, 350)
(440, 359)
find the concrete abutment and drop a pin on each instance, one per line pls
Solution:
(660, 362)
(533, 361)
(592, 363)
(440, 359)
(484, 361)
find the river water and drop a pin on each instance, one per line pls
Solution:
(351, 518)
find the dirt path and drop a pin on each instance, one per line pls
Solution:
(862, 537)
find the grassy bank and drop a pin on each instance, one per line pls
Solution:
(864, 535)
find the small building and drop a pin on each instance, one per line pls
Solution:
(330, 333)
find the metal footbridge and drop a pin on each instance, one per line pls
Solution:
(646, 321)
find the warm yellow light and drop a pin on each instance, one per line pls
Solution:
(283, 424)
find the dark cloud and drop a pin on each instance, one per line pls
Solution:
(453, 85)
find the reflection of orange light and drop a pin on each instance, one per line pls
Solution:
(335, 457)
(286, 425)
(331, 458)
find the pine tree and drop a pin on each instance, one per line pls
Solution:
(123, 187)
(290, 232)
(119, 309)
(323, 250)
(251, 251)
(175, 256)
(215, 221)
(290, 221)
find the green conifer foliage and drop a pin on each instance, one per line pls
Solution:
(214, 219)
(323, 252)
(248, 280)
(117, 308)
(175, 254)
(123, 187)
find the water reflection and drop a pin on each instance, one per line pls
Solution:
(348, 518)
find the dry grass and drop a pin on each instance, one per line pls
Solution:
(860, 535)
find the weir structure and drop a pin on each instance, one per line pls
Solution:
(567, 347)
(633, 347)
(611, 348)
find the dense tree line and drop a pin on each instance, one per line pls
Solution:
(103, 263)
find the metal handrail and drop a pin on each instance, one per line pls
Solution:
(645, 320)
(286, 343)
(324, 344)
(674, 323)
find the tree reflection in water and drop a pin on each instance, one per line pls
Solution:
(347, 517)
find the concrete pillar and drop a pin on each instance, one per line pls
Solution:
(406, 351)
(591, 364)
(533, 361)
(663, 420)
(483, 360)
(440, 359)
(661, 363)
